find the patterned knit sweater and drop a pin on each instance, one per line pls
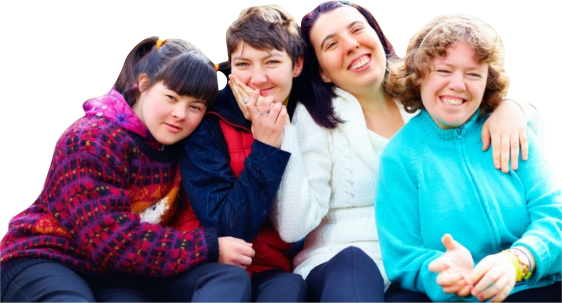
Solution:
(107, 194)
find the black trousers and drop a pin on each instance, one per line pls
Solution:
(57, 283)
(276, 285)
(352, 276)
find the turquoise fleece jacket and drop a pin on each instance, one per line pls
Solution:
(433, 181)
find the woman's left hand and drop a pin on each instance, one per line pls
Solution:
(493, 277)
(507, 129)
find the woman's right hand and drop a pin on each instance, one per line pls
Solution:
(454, 268)
(235, 252)
(242, 94)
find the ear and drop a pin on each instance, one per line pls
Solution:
(324, 77)
(143, 82)
(298, 67)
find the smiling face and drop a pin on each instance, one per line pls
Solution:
(348, 49)
(270, 71)
(453, 91)
(168, 116)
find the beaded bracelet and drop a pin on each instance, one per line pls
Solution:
(515, 263)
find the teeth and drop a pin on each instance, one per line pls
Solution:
(360, 63)
(449, 101)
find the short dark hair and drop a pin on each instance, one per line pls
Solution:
(180, 65)
(266, 27)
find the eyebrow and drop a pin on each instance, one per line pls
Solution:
(472, 67)
(330, 36)
(271, 54)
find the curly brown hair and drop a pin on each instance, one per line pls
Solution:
(431, 41)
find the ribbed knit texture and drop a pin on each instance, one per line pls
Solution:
(104, 175)
(435, 181)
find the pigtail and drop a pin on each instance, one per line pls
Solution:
(224, 67)
(126, 83)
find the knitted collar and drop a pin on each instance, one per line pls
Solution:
(469, 132)
(112, 106)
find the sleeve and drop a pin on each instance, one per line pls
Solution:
(235, 207)
(534, 121)
(304, 193)
(404, 255)
(543, 190)
(91, 184)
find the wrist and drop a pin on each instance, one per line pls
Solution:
(506, 100)
(524, 258)
(520, 262)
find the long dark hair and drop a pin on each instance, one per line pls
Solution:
(320, 107)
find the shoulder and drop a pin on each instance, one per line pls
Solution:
(404, 143)
(301, 115)
(94, 132)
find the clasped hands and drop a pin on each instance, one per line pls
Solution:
(268, 115)
(493, 277)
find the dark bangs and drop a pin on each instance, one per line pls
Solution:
(198, 80)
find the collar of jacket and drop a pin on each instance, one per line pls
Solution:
(226, 108)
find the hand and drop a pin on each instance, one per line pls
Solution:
(507, 128)
(454, 266)
(241, 92)
(495, 276)
(268, 119)
(235, 252)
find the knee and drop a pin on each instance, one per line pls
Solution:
(294, 283)
(232, 275)
(351, 256)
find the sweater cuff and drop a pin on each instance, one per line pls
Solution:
(289, 143)
(212, 241)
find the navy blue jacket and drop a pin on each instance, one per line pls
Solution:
(236, 207)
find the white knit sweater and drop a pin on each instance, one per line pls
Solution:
(328, 188)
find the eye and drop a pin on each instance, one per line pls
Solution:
(442, 71)
(241, 64)
(196, 107)
(330, 45)
(171, 98)
(475, 75)
(270, 62)
(357, 29)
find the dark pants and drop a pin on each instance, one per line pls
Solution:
(276, 285)
(56, 282)
(549, 293)
(352, 276)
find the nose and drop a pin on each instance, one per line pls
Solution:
(350, 43)
(457, 82)
(258, 77)
(178, 111)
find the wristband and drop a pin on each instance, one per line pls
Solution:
(526, 269)
(515, 262)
